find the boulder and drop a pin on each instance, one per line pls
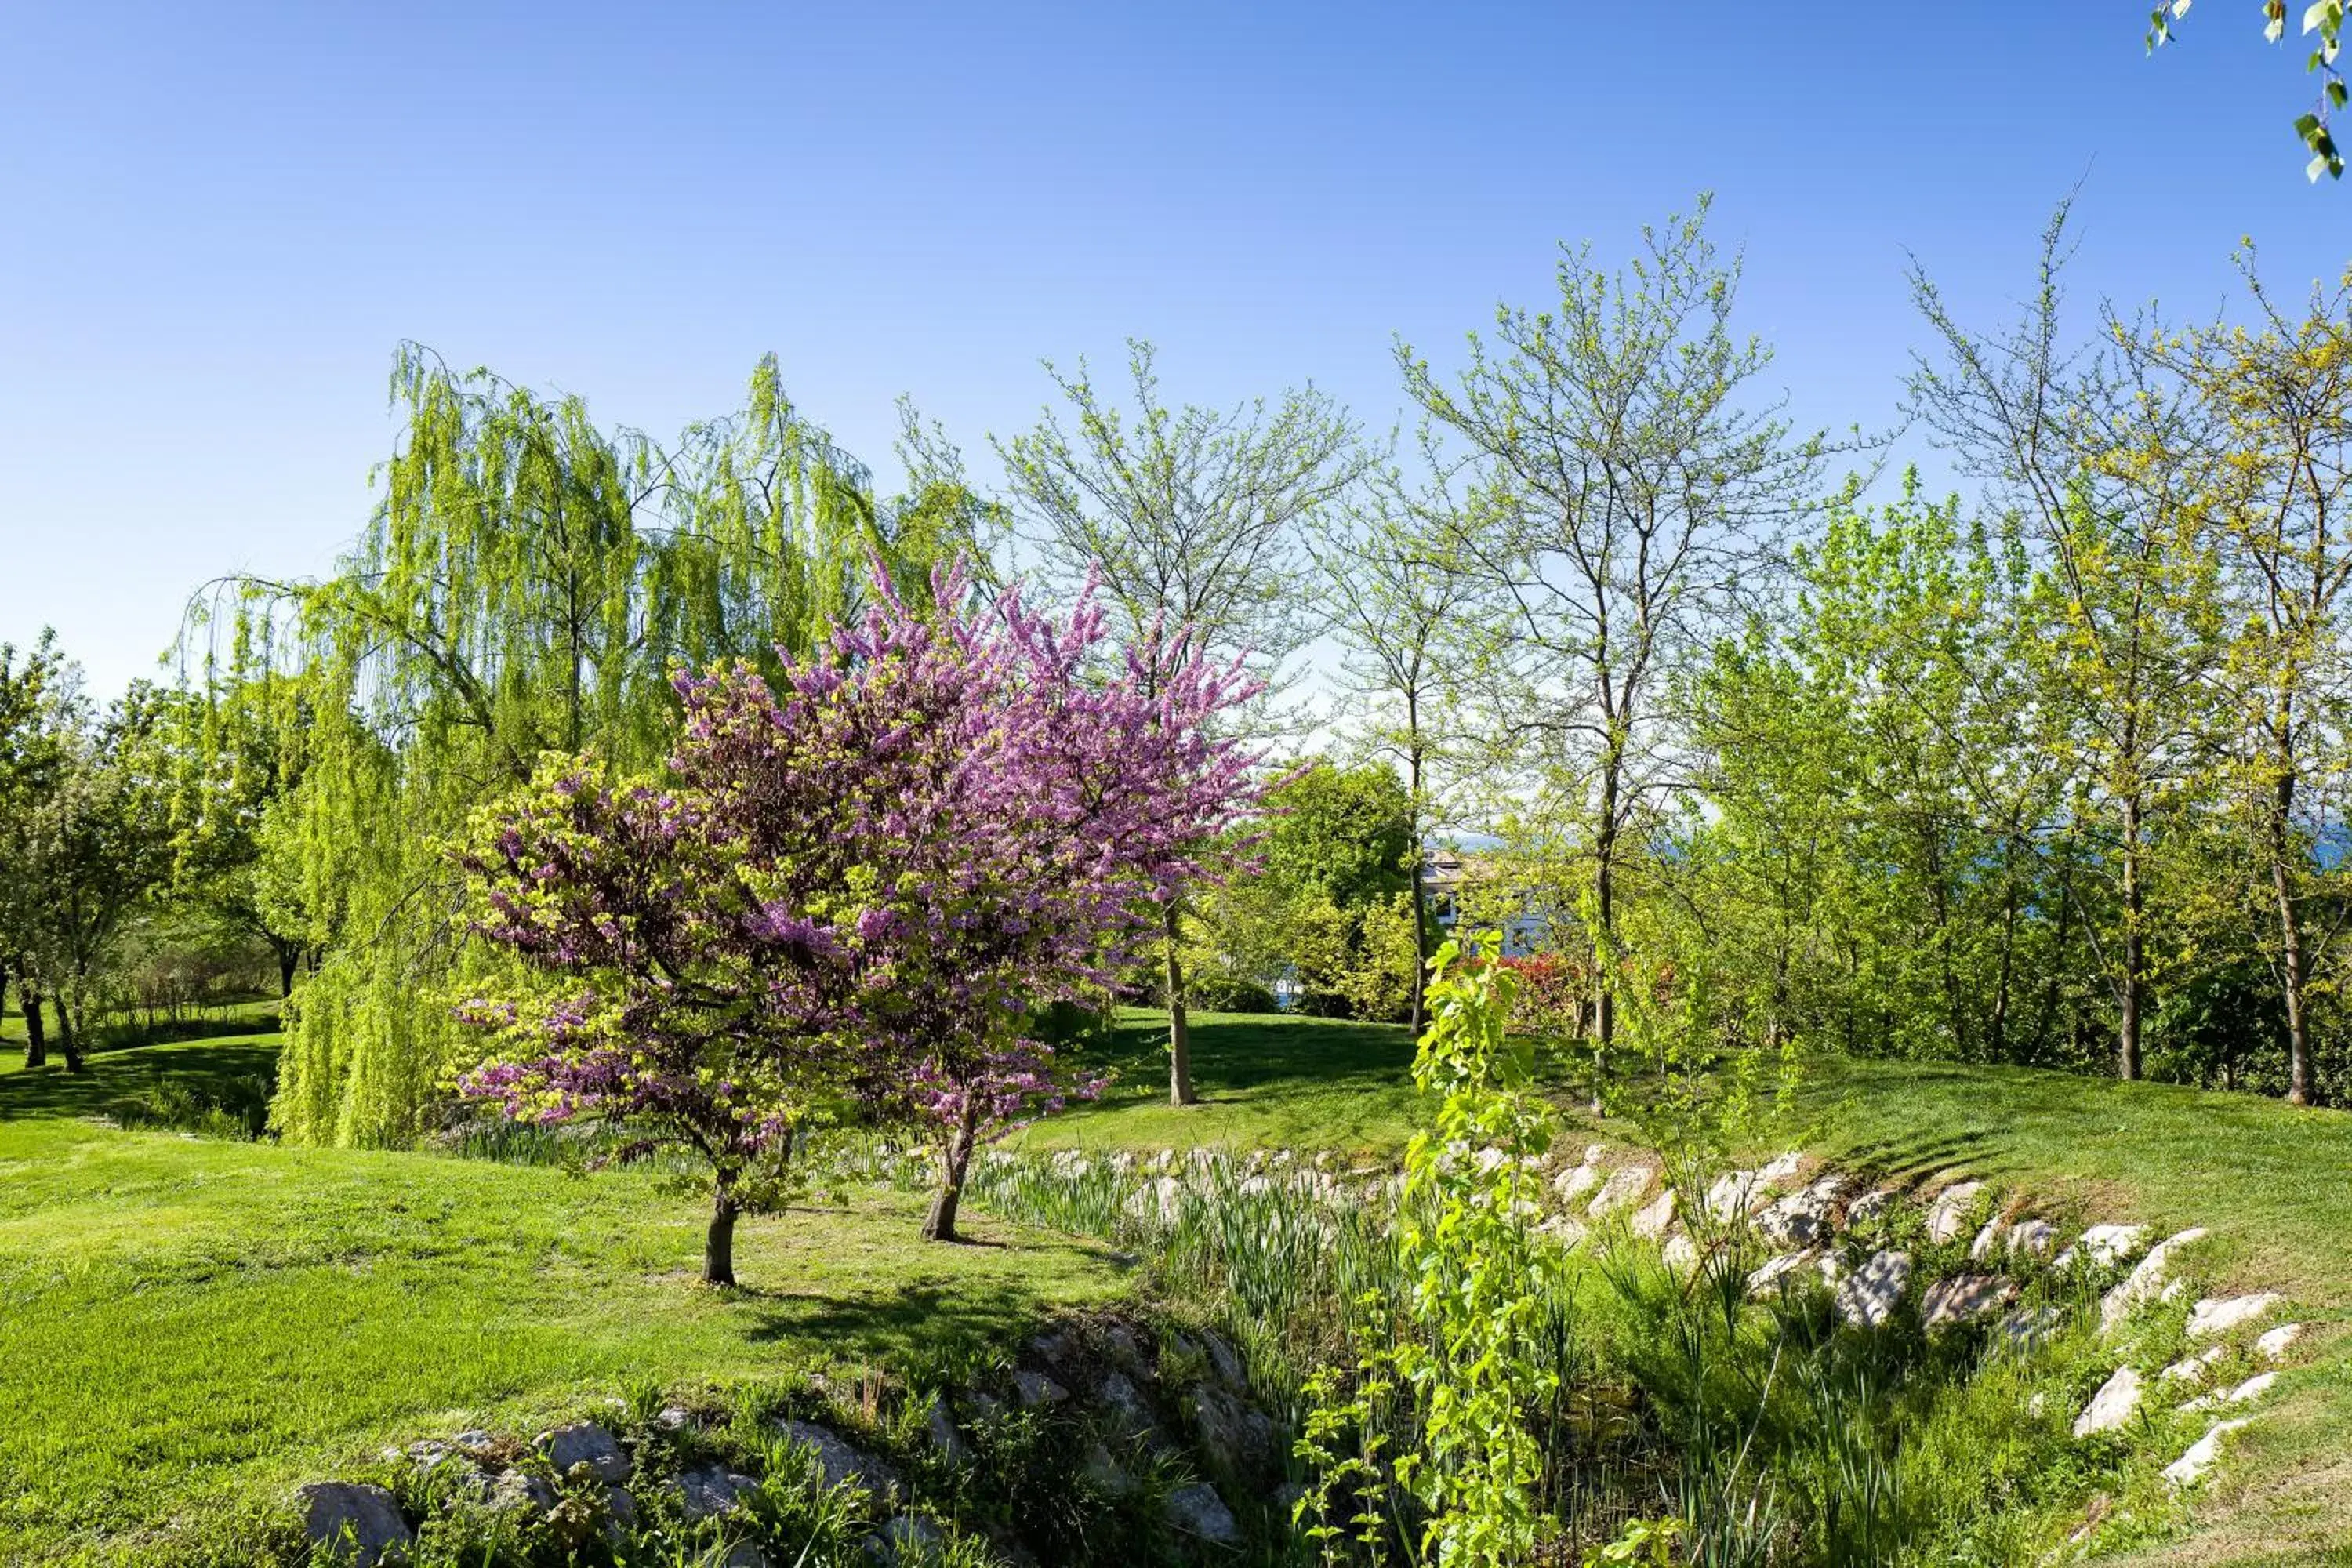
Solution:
(1655, 1218)
(1106, 1473)
(1199, 1511)
(2147, 1282)
(1130, 1413)
(2104, 1246)
(1731, 1195)
(2190, 1468)
(1680, 1255)
(2112, 1406)
(1964, 1298)
(2027, 1328)
(2191, 1369)
(1623, 1189)
(362, 1519)
(1780, 1172)
(1785, 1272)
(1035, 1388)
(1803, 1216)
(909, 1537)
(585, 1443)
(1870, 1206)
(1949, 1213)
(838, 1463)
(1235, 1435)
(1563, 1231)
(2220, 1314)
(1868, 1297)
(621, 1508)
(2253, 1388)
(1225, 1360)
(519, 1492)
(1574, 1182)
(940, 1431)
(2035, 1237)
(2275, 1343)
(708, 1489)
(474, 1440)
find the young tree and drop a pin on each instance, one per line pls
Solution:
(1623, 496)
(1189, 521)
(2103, 467)
(2277, 483)
(857, 885)
(38, 697)
(1396, 596)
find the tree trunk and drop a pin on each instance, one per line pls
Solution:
(2134, 981)
(69, 1038)
(1420, 896)
(37, 1035)
(955, 1159)
(719, 1245)
(1179, 1029)
(289, 954)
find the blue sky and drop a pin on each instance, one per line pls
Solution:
(214, 226)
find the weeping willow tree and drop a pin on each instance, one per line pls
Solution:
(526, 583)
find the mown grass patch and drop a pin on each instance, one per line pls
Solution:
(190, 1321)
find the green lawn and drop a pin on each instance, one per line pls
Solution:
(187, 1322)
(1263, 1082)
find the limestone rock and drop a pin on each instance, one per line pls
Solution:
(621, 1508)
(1199, 1511)
(1622, 1190)
(940, 1430)
(2220, 1314)
(909, 1537)
(1574, 1182)
(1868, 1297)
(1802, 1218)
(1785, 1272)
(2273, 1344)
(2190, 1468)
(1870, 1206)
(838, 1463)
(1238, 1434)
(1680, 1255)
(2035, 1237)
(2104, 1246)
(362, 1519)
(586, 1443)
(1035, 1388)
(1963, 1297)
(2191, 1369)
(2112, 1406)
(1949, 1212)
(1656, 1217)
(2148, 1281)
(1731, 1195)
(2028, 1327)
(2252, 1388)
(1567, 1232)
(1106, 1473)
(1130, 1413)
(1780, 1172)
(519, 1492)
(1225, 1360)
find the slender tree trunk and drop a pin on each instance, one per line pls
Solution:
(1180, 1028)
(2135, 981)
(2292, 963)
(719, 1243)
(69, 1037)
(37, 1035)
(288, 955)
(1420, 891)
(955, 1160)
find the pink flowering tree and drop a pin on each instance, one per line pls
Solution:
(853, 886)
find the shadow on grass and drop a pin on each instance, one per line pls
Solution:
(234, 1073)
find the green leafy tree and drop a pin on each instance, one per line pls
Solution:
(1625, 491)
(525, 585)
(1192, 521)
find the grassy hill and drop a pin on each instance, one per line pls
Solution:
(193, 1320)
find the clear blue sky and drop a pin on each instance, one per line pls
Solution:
(215, 221)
